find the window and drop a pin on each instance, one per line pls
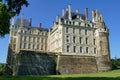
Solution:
(73, 39)
(37, 46)
(41, 47)
(33, 46)
(86, 40)
(66, 22)
(74, 48)
(28, 46)
(94, 41)
(68, 48)
(80, 49)
(67, 38)
(79, 24)
(15, 33)
(86, 49)
(29, 39)
(42, 33)
(85, 25)
(20, 45)
(73, 30)
(14, 46)
(85, 32)
(38, 39)
(25, 32)
(73, 23)
(94, 50)
(24, 38)
(67, 29)
(80, 39)
(14, 40)
(21, 31)
(38, 33)
(21, 38)
(33, 39)
(79, 31)
(24, 45)
(42, 40)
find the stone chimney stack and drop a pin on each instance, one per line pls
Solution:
(77, 11)
(63, 12)
(101, 18)
(30, 23)
(57, 18)
(93, 16)
(40, 25)
(97, 15)
(13, 20)
(22, 20)
(86, 13)
(69, 12)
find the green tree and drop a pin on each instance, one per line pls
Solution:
(8, 10)
(2, 66)
(115, 63)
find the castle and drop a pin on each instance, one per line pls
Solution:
(75, 41)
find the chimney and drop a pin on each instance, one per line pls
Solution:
(101, 18)
(93, 15)
(77, 11)
(22, 20)
(13, 20)
(30, 23)
(97, 15)
(86, 13)
(69, 12)
(63, 12)
(40, 25)
(57, 18)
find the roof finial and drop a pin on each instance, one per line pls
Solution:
(69, 12)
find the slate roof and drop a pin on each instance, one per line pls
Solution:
(74, 15)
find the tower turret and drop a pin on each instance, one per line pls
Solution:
(69, 12)
(86, 13)
(103, 55)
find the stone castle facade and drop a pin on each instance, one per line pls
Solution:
(73, 35)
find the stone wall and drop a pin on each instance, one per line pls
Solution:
(32, 63)
(76, 64)
(40, 63)
(103, 63)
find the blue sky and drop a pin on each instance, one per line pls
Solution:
(45, 11)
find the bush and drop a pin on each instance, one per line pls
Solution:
(115, 63)
(1, 69)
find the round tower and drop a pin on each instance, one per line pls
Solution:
(103, 56)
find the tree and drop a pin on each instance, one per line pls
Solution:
(8, 10)
(115, 63)
(4, 20)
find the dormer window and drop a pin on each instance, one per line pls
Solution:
(69, 22)
(73, 23)
(21, 31)
(78, 17)
(79, 23)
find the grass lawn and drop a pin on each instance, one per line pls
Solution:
(111, 75)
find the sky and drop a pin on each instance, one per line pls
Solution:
(45, 11)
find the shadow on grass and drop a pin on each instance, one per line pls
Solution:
(55, 78)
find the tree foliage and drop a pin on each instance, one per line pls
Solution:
(115, 63)
(2, 66)
(14, 6)
(4, 20)
(8, 10)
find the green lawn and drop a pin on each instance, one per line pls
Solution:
(111, 75)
